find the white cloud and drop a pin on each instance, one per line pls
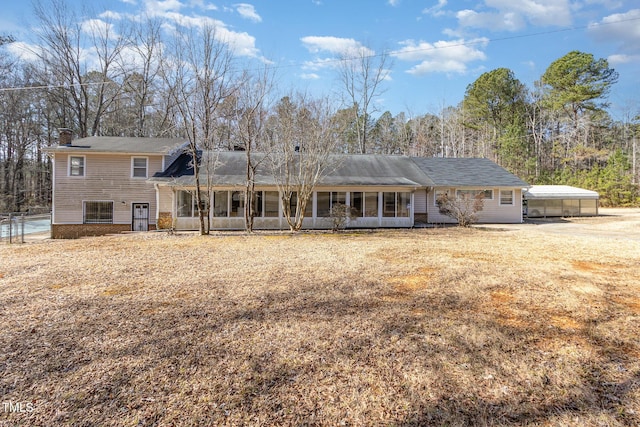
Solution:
(98, 26)
(494, 21)
(619, 59)
(309, 76)
(393, 3)
(247, 11)
(622, 29)
(335, 45)
(109, 14)
(435, 10)
(509, 15)
(242, 43)
(24, 51)
(133, 2)
(442, 56)
(162, 6)
(202, 5)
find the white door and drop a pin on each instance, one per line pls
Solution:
(141, 217)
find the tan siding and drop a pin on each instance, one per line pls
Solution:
(492, 211)
(420, 201)
(108, 178)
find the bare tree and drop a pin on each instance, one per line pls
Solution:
(303, 136)
(199, 77)
(251, 116)
(146, 43)
(361, 74)
(65, 42)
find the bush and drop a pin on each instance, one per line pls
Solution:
(339, 214)
(464, 209)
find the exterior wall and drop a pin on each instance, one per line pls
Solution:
(492, 211)
(107, 177)
(74, 231)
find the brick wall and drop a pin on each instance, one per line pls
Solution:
(165, 221)
(73, 231)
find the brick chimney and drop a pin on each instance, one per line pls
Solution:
(64, 136)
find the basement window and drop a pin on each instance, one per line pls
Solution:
(98, 213)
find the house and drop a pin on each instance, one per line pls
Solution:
(560, 200)
(110, 184)
(100, 184)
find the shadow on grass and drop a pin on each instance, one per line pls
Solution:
(318, 355)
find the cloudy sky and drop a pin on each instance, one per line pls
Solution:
(438, 47)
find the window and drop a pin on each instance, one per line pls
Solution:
(323, 204)
(357, 208)
(326, 200)
(506, 197)
(271, 204)
(487, 194)
(257, 203)
(220, 204)
(98, 212)
(396, 205)
(237, 203)
(389, 204)
(403, 205)
(438, 194)
(76, 165)
(139, 167)
(371, 205)
(184, 203)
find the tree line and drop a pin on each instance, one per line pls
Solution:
(153, 78)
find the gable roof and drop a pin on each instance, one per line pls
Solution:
(358, 170)
(118, 144)
(350, 170)
(467, 172)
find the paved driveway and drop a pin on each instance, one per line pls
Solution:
(612, 223)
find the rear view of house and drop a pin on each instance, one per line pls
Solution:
(100, 184)
(107, 185)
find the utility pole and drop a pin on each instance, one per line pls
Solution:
(633, 166)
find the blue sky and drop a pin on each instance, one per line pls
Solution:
(438, 47)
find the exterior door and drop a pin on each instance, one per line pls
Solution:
(141, 217)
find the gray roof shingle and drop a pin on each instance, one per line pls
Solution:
(117, 144)
(467, 172)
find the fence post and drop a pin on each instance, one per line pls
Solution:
(22, 229)
(10, 231)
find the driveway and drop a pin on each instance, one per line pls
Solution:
(611, 223)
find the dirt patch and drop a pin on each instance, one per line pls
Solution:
(413, 282)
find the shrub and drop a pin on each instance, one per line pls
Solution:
(464, 208)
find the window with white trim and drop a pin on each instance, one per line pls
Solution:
(506, 197)
(76, 165)
(487, 194)
(139, 166)
(98, 212)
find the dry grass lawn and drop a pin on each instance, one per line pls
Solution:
(418, 327)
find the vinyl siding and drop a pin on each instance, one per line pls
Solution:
(420, 201)
(107, 178)
(492, 211)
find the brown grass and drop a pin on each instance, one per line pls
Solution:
(422, 327)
